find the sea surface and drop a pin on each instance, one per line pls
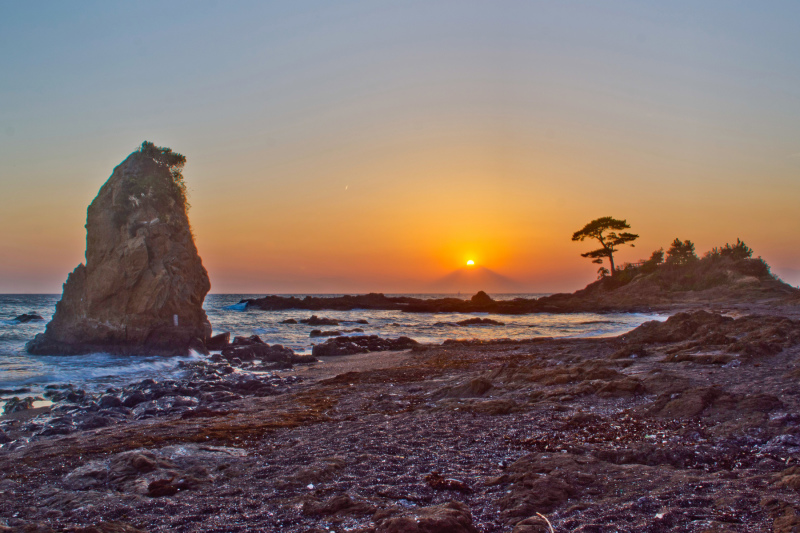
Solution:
(23, 375)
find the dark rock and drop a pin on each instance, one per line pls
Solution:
(262, 352)
(22, 390)
(28, 317)
(480, 322)
(481, 298)
(341, 504)
(318, 471)
(471, 389)
(94, 422)
(133, 399)
(676, 328)
(541, 483)
(289, 321)
(109, 401)
(171, 486)
(152, 473)
(218, 342)
(436, 481)
(337, 348)
(164, 405)
(339, 303)
(107, 527)
(202, 412)
(534, 524)
(631, 351)
(220, 397)
(314, 320)
(198, 345)
(361, 344)
(77, 396)
(247, 341)
(299, 359)
(451, 517)
(142, 288)
(319, 333)
(16, 404)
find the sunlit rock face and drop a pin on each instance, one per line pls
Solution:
(141, 290)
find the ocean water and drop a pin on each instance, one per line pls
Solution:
(22, 374)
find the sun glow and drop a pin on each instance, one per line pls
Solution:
(470, 263)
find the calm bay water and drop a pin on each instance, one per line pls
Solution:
(20, 371)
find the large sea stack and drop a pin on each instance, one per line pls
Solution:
(141, 290)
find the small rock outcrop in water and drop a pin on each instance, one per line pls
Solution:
(24, 318)
(141, 290)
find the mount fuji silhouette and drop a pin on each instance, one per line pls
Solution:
(474, 279)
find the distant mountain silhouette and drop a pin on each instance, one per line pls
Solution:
(473, 279)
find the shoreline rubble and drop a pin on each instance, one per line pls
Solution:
(640, 432)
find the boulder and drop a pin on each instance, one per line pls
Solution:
(437, 481)
(481, 298)
(28, 317)
(247, 341)
(451, 517)
(361, 344)
(16, 404)
(480, 322)
(218, 342)
(341, 504)
(142, 287)
(314, 320)
(319, 333)
(263, 352)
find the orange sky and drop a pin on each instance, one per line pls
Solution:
(376, 149)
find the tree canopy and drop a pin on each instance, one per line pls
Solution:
(608, 232)
(681, 252)
(735, 251)
(172, 160)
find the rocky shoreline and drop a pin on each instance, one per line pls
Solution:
(686, 425)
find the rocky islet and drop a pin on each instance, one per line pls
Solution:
(142, 286)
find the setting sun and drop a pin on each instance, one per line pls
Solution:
(470, 263)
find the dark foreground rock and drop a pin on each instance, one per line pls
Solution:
(206, 391)
(452, 517)
(245, 349)
(16, 404)
(141, 290)
(218, 342)
(632, 434)
(361, 344)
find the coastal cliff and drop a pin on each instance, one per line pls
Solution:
(141, 290)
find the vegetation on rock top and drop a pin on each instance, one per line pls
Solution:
(683, 270)
(162, 190)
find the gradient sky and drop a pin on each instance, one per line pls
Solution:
(366, 145)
